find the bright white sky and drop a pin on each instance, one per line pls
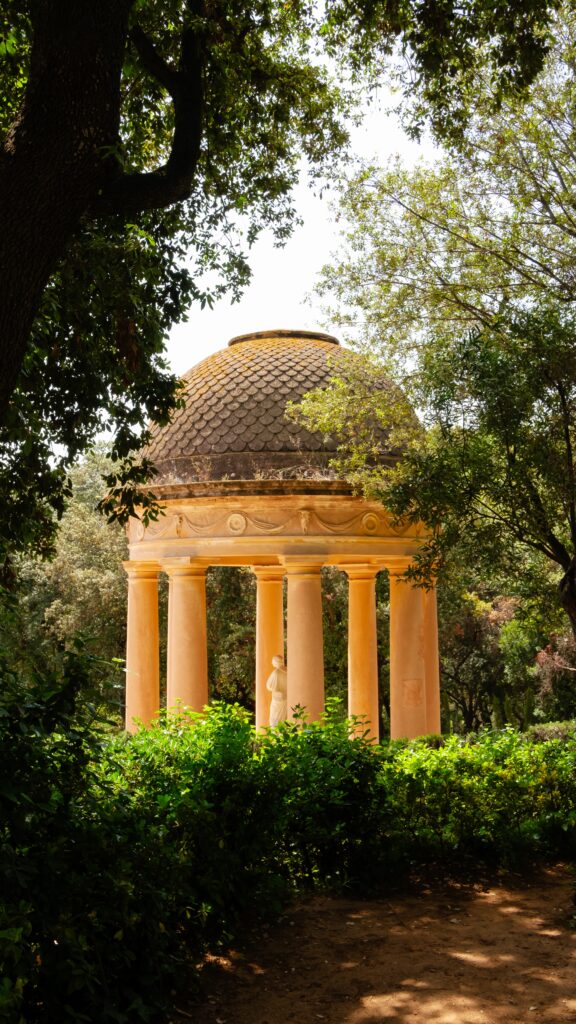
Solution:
(282, 278)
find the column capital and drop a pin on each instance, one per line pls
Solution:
(302, 565)
(398, 567)
(398, 571)
(272, 573)
(183, 567)
(361, 571)
(141, 570)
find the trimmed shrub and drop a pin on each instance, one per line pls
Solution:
(125, 857)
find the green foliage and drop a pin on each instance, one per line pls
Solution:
(231, 600)
(499, 458)
(122, 858)
(446, 48)
(555, 674)
(462, 277)
(496, 667)
(485, 229)
(94, 364)
(495, 797)
(46, 747)
(81, 590)
(471, 663)
(95, 356)
(335, 630)
(137, 254)
(335, 837)
(552, 731)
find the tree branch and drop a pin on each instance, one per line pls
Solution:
(561, 555)
(152, 62)
(566, 425)
(130, 194)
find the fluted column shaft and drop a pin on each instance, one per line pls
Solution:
(269, 633)
(363, 647)
(187, 683)
(142, 648)
(305, 639)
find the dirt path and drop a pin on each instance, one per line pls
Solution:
(499, 953)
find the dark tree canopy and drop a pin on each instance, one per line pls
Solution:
(140, 135)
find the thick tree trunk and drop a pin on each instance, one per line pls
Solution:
(567, 588)
(55, 159)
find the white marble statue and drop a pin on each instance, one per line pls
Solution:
(277, 684)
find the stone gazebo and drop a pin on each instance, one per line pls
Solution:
(241, 485)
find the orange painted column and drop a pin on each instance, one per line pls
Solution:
(269, 633)
(305, 639)
(408, 715)
(363, 647)
(187, 684)
(142, 648)
(432, 659)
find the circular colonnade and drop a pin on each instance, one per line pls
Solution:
(241, 485)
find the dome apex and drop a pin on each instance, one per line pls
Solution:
(234, 427)
(283, 333)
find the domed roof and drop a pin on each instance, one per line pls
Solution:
(233, 424)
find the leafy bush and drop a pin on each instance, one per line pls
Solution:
(552, 731)
(495, 797)
(123, 857)
(46, 751)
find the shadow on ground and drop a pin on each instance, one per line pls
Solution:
(496, 953)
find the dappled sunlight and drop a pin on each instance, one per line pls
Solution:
(498, 953)
(503, 960)
(461, 1010)
(480, 959)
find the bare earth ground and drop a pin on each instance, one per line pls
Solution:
(499, 952)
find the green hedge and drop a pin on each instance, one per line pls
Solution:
(124, 858)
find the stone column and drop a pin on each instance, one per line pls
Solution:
(142, 651)
(187, 683)
(305, 641)
(363, 646)
(269, 633)
(432, 660)
(408, 715)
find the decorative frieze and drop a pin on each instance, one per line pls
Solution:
(221, 521)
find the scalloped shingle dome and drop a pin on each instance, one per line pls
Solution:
(233, 424)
